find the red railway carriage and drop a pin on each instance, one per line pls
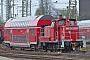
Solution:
(1, 34)
(24, 32)
(84, 27)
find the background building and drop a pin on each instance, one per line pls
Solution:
(84, 9)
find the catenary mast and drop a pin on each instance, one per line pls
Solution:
(72, 9)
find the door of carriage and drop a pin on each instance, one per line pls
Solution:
(32, 35)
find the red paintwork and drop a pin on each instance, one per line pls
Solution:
(74, 34)
(86, 32)
(52, 34)
(19, 32)
(44, 22)
(25, 31)
(47, 29)
(45, 39)
(34, 37)
(84, 28)
(39, 22)
(7, 35)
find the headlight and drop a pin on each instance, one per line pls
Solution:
(62, 37)
(56, 40)
(83, 37)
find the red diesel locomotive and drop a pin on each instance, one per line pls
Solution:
(43, 32)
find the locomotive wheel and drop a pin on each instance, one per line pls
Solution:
(34, 47)
(12, 48)
(77, 49)
(22, 48)
(49, 51)
(61, 51)
(7, 45)
(67, 49)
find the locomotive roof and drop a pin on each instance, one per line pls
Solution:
(27, 21)
(41, 17)
(22, 19)
(84, 23)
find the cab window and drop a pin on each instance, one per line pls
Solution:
(52, 25)
(61, 22)
(72, 22)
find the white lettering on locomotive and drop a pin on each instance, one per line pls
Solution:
(72, 28)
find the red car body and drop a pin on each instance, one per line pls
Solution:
(25, 31)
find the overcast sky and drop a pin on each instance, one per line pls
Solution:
(63, 5)
(58, 5)
(35, 2)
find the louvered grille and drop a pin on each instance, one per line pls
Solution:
(19, 39)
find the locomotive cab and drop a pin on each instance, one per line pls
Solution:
(66, 34)
(63, 26)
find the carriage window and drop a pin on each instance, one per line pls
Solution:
(72, 22)
(7, 31)
(32, 31)
(61, 22)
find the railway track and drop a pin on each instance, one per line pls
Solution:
(32, 55)
(27, 54)
(43, 55)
